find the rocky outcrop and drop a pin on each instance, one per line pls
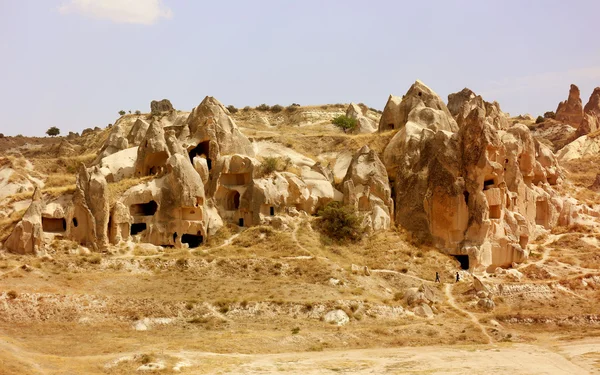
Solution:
(570, 111)
(363, 123)
(158, 106)
(138, 132)
(153, 153)
(591, 114)
(27, 235)
(366, 187)
(479, 191)
(419, 105)
(461, 104)
(583, 146)
(117, 141)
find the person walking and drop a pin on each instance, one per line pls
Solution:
(437, 277)
(457, 277)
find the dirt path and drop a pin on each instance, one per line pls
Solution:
(403, 275)
(448, 291)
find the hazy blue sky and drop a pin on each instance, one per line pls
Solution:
(75, 63)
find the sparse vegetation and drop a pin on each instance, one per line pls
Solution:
(53, 131)
(232, 109)
(272, 164)
(122, 112)
(263, 107)
(539, 119)
(550, 114)
(344, 122)
(276, 108)
(138, 112)
(340, 223)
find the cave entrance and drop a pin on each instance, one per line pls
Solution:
(232, 201)
(391, 126)
(241, 222)
(193, 240)
(54, 225)
(137, 228)
(495, 211)
(463, 260)
(272, 211)
(488, 184)
(202, 149)
(144, 209)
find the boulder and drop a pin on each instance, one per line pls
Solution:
(486, 304)
(424, 311)
(570, 111)
(363, 123)
(337, 317)
(479, 286)
(27, 236)
(138, 132)
(158, 106)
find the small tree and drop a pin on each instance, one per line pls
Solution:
(53, 131)
(539, 119)
(276, 108)
(263, 107)
(550, 114)
(344, 122)
(340, 223)
(138, 112)
(122, 112)
(232, 109)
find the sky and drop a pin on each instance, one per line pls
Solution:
(74, 64)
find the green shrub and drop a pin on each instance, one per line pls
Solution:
(344, 122)
(340, 223)
(232, 109)
(271, 164)
(122, 112)
(138, 112)
(263, 107)
(291, 108)
(295, 330)
(246, 108)
(550, 114)
(539, 119)
(276, 108)
(53, 131)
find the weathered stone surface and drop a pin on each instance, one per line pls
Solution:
(366, 187)
(153, 153)
(363, 123)
(158, 106)
(460, 104)
(138, 132)
(26, 236)
(424, 311)
(420, 105)
(591, 114)
(337, 317)
(570, 111)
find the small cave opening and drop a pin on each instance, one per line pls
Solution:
(466, 195)
(495, 211)
(137, 228)
(391, 126)
(53, 225)
(487, 184)
(175, 237)
(143, 209)
(202, 149)
(463, 260)
(74, 221)
(232, 201)
(193, 240)
(241, 222)
(272, 211)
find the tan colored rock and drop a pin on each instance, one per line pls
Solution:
(117, 141)
(364, 125)
(429, 110)
(153, 153)
(570, 111)
(462, 103)
(366, 186)
(27, 236)
(138, 132)
(591, 114)
(120, 224)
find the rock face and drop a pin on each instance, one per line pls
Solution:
(366, 187)
(419, 105)
(570, 111)
(460, 104)
(591, 114)
(158, 106)
(363, 123)
(479, 191)
(337, 317)
(27, 235)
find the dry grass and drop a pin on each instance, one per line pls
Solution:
(115, 190)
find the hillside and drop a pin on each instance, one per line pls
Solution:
(193, 242)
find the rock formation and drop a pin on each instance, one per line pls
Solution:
(27, 235)
(591, 114)
(366, 187)
(461, 104)
(363, 123)
(420, 105)
(159, 106)
(478, 192)
(570, 111)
